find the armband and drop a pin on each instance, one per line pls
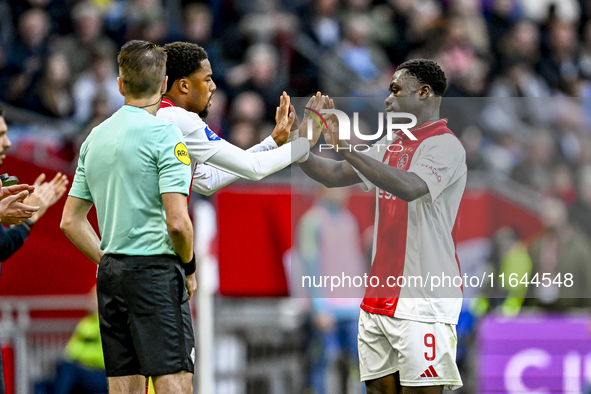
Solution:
(190, 267)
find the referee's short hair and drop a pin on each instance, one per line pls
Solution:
(426, 72)
(184, 58)
(142, 68)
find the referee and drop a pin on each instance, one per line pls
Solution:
(135, 169)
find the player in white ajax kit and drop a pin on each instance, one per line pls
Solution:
(216, 162)
(407, 338)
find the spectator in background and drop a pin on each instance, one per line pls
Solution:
(500, 18)
(562, 64)
(535, 169)
(521, 44)
(329, 243)
(248, 107)
(80, 46)
(585, 50)
(472, 141)
(470, 14)
(27, 55)
(259, 73)
(248, 120)
(456, 54)
(563, 185)
(216, 118)
(198, 29)
(46, 194)
(100, 111)
(99, 80)
(324, 26)
(52, 94)
(367, 60)
(57, 10)
(518, 79)
(560, 248)
(243, 135)
(508, 256)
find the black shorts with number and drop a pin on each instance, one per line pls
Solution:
(144, 315)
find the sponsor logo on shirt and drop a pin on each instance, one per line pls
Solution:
(433, 170)
(182, 153)
(211, 135)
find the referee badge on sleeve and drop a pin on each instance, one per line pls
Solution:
(182, 153)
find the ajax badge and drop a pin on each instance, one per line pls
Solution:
(402, 161)
(182, 153)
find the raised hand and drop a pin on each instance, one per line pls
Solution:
(316, 103)
(12, 208)
(331, 135)
(294, 133)
(46, 193)
(59, 184)
(14, 189)
(284, 119)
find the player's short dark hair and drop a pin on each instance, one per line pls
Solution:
(142, 68)
(427, 72)
(184, 58)
(1, 111)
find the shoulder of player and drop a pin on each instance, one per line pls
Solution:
(178, 114)
(446, 140)
(187, 121)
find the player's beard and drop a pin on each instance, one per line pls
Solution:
(203, 114)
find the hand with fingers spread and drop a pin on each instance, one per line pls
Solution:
(331, 135)
(314, 105)
(284, 119)
(46, 193)
(12, 208)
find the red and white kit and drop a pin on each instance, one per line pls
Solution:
(416, 240)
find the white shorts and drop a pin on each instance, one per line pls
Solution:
(423, 353)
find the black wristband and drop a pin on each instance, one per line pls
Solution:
(28, 224)
(190, 267)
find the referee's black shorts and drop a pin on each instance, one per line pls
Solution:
(144, 315)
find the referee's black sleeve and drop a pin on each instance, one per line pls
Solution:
(11, 239)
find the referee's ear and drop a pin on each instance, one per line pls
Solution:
(121, 88)
(164, 85)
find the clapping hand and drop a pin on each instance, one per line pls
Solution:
(47, 193)
(12, 208)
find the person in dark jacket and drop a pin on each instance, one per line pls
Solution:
(22, 207)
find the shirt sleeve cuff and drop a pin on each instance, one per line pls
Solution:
(433, 194)
(270, 143)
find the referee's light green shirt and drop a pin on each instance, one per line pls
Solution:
(125, 164)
